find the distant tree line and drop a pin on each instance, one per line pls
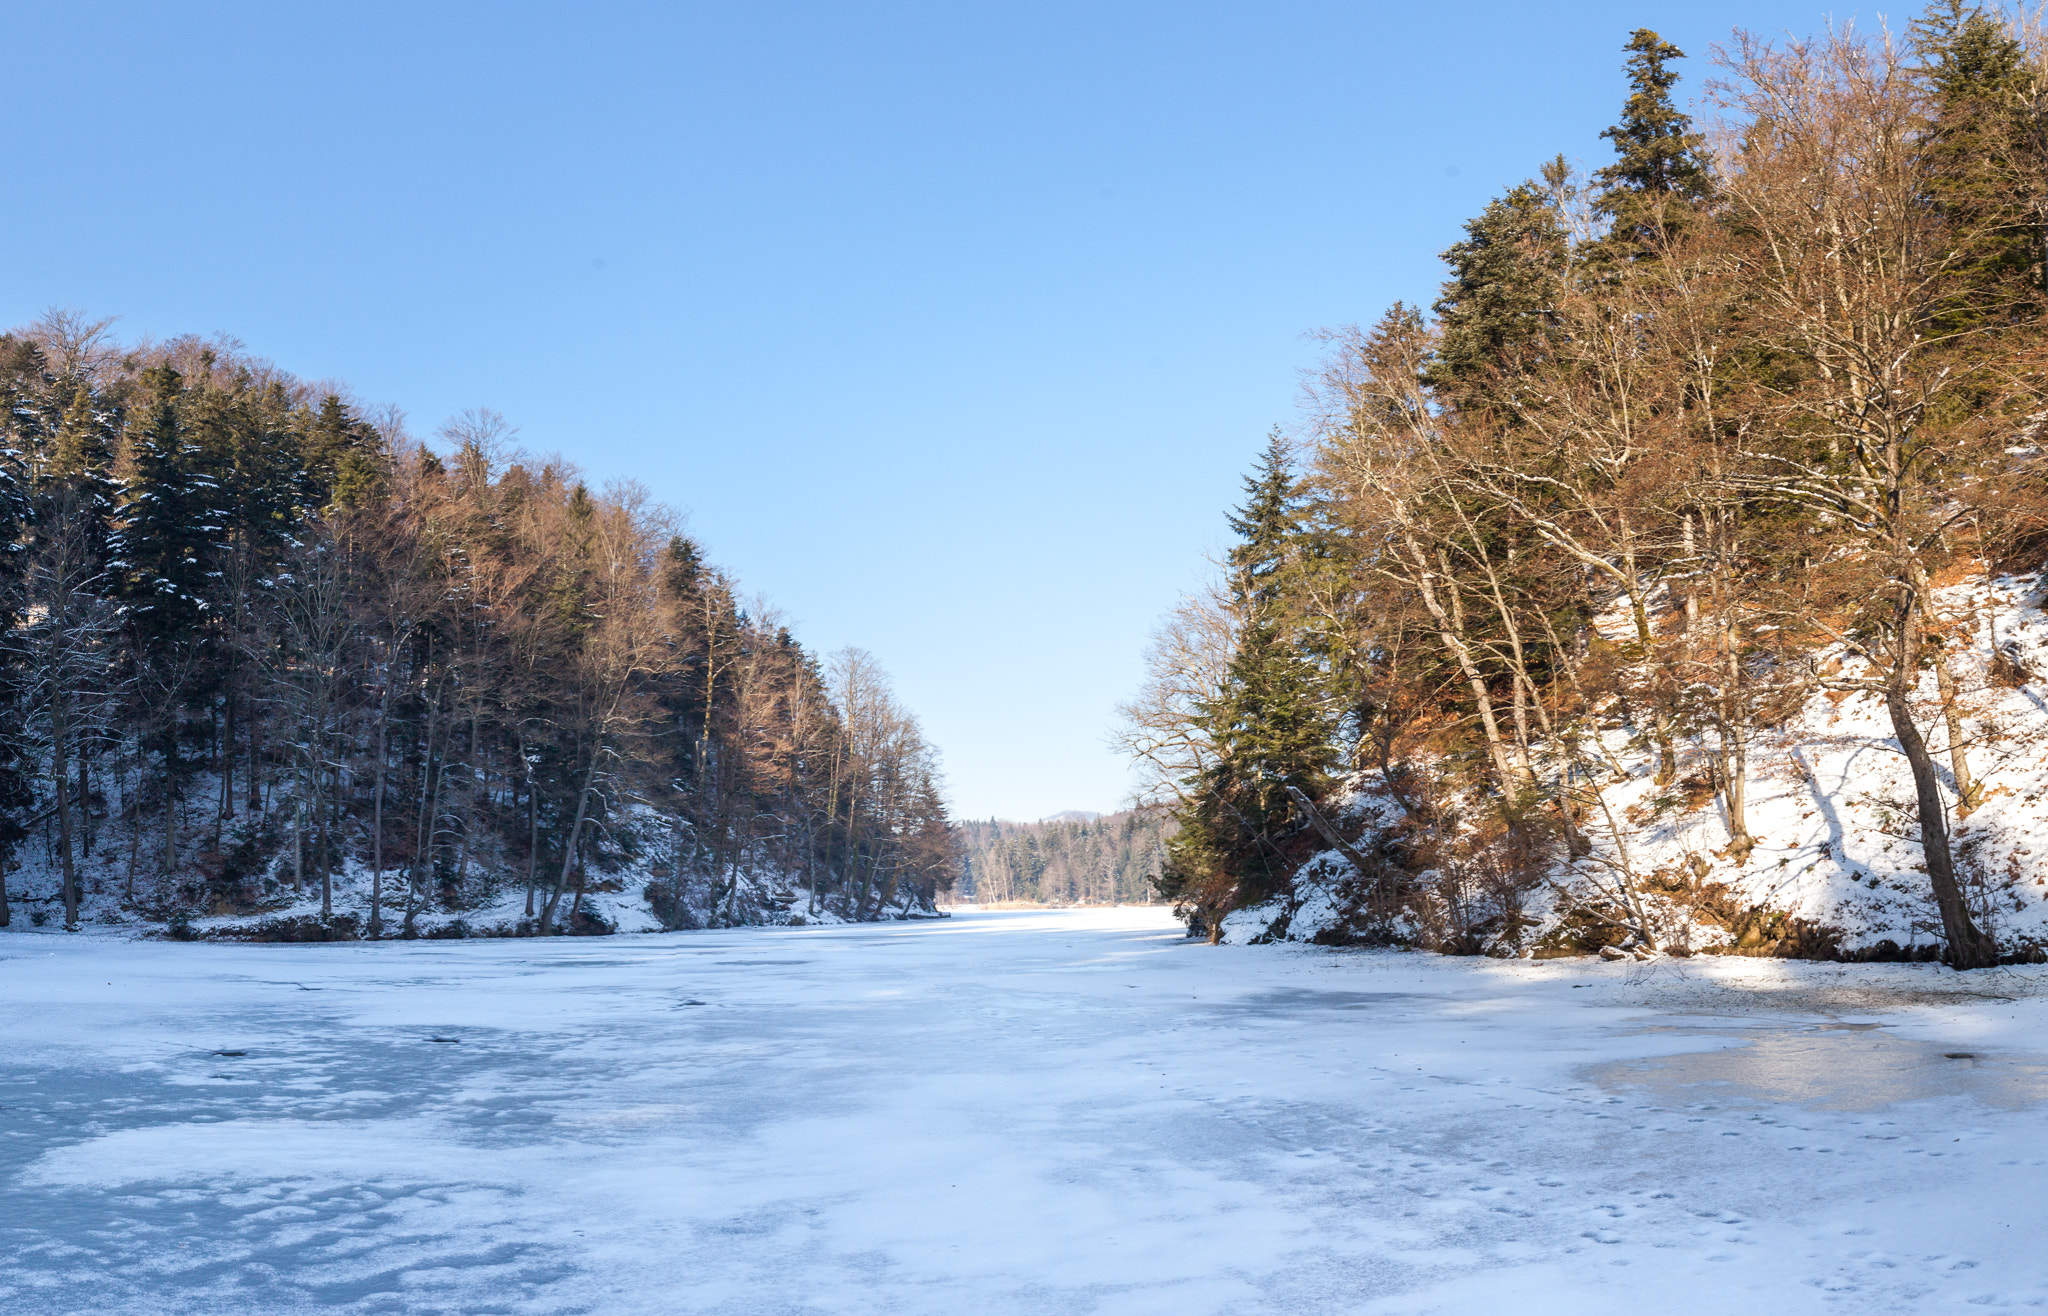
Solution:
(1111, 860)
(1669, 433)
(257, 639)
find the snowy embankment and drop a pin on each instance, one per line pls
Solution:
(1007, 1113)
(616, 904)
(1831, 806)
(126, 892)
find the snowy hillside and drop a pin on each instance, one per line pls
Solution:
(1836, 870)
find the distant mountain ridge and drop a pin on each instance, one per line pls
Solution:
(1072, 815)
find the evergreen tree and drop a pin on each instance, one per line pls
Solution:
(82, 450)
(1982, 182)
(1269, 726)
(32, 401)
(338, 454)
(243, 444)
(26, 393)
(1273, 732)
(78, 481)
(1496, 310)
(171, 523)
(1660, 175)
(164, 568)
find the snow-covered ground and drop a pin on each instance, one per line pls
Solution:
(1071, 1111)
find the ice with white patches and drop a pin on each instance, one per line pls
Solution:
(1006, 1113)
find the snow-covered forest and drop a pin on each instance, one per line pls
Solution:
(1672, 583)
(1107, 860)
(275, 668)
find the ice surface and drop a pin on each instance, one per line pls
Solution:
(1074, 1111)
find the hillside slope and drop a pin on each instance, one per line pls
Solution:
(1836, 870)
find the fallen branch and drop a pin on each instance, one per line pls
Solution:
(1366, 867)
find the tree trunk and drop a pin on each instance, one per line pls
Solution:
(1455, 645)
(84, 800)
(1968, 948)
(1735, 787)
(1523, 688)
(255, 760)
(532, 836)
(468, 803)
(434, 806)
(59, 771)
(224, 758)
(547, 912)
(422, 842)
(1660, 724)
(1968, 793)
(831, 813)
(170, 859)
(1734, 745)
(576, 903)
(131, 803)
(1367, 869)
(377, 813)
(676, 886)
(739, 855)
(329, 826)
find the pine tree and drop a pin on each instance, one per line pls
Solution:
(164, 565)
(171, 523)
(1982, 183)
(81, 450)
(1496, 310)
(1269, 726)
(31, 402)
(244, 446)
(78, 479)
(1660, 176)
(1275, 733)
(245, 443)
(339, 455)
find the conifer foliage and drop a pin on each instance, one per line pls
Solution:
(1266, 723)
(267, 650)
(1660, 172)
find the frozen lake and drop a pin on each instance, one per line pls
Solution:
(1006, 1113)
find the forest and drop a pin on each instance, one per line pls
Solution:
(1711, 473)
(271, 659)
(1109, 860)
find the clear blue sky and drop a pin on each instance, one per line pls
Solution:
(951, 327)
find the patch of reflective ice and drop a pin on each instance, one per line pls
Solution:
(1831, 1067)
